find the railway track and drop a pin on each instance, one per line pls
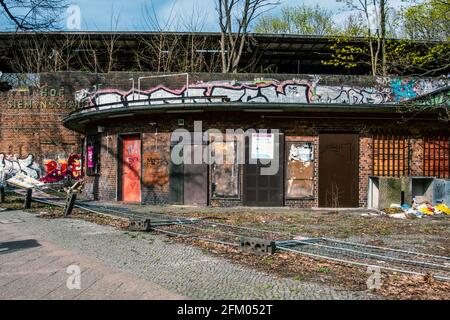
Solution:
(353, 253)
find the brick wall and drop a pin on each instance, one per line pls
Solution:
(31, 124)
(295, 129)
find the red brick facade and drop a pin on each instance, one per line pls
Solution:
(294, 130)
(31, 124)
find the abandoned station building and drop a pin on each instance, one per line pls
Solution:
(338, 139)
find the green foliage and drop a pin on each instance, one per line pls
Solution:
(428, 21)
(407, 55)
(346, 55)
(304, 19)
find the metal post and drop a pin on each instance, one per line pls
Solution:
(2, 194)
(132, 79)
(27, 203)
(70, 203)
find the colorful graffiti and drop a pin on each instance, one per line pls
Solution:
(403, 89)
(11, 165)
(290, 91)
(56, 171)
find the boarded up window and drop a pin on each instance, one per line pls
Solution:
(225, 175)
(391, 154)
(436, 156)
(299, 170)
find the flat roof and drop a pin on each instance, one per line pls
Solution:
(79, 121)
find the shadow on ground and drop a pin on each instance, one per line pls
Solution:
(13, 246)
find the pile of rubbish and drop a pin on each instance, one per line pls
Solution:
(421, 207)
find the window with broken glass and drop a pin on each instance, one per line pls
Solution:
(299, 170)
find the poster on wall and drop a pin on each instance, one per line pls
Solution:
(90, 156)
(301, 152)
(300, 170)
(262, 146)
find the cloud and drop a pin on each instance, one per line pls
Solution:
(186, 15)
(179, 15)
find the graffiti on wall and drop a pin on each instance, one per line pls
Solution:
(56, 171)
(156, 169)
(11, 165)
(289, 91)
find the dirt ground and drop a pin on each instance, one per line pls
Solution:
(430, 235)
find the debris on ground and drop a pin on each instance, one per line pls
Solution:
(406, 287)
(420, 208)
(304, 268)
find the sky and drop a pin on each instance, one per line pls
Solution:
(132, 13)
(172, 15)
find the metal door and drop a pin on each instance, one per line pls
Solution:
(338, 170)
(131, 168)
(195, 180)
(264, 190)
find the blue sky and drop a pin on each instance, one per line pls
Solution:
(96, 15)
(129, 15)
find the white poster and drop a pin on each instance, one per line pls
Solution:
(263, 145)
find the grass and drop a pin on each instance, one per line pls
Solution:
(298, 278)
(323, 270)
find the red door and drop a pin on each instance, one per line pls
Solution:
(131, 169)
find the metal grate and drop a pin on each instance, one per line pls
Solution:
(391, 154)
(436, 155)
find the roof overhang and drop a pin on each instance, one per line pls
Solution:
(81, 120)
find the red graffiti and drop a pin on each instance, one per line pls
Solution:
(58, 171)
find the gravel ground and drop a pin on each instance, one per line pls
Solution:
(186, 270)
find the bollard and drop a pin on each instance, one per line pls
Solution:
(27, 203)
(2, 194)
(70, 203)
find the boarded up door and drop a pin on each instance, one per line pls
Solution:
(131, 168)
(264, 190)
(338, 170)
(195, 180)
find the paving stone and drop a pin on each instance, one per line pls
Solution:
(124, 265)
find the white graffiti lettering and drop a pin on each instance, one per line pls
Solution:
(12, 165)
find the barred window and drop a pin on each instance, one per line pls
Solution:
(436, 155)
(391, 154)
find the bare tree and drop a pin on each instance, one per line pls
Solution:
(374, 12)
(28, 15)
(38, 53)
(176, 52)
(235, 19)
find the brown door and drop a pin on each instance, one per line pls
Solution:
(264, 190)
(131, 168)
(338, 170)
(195, 180)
